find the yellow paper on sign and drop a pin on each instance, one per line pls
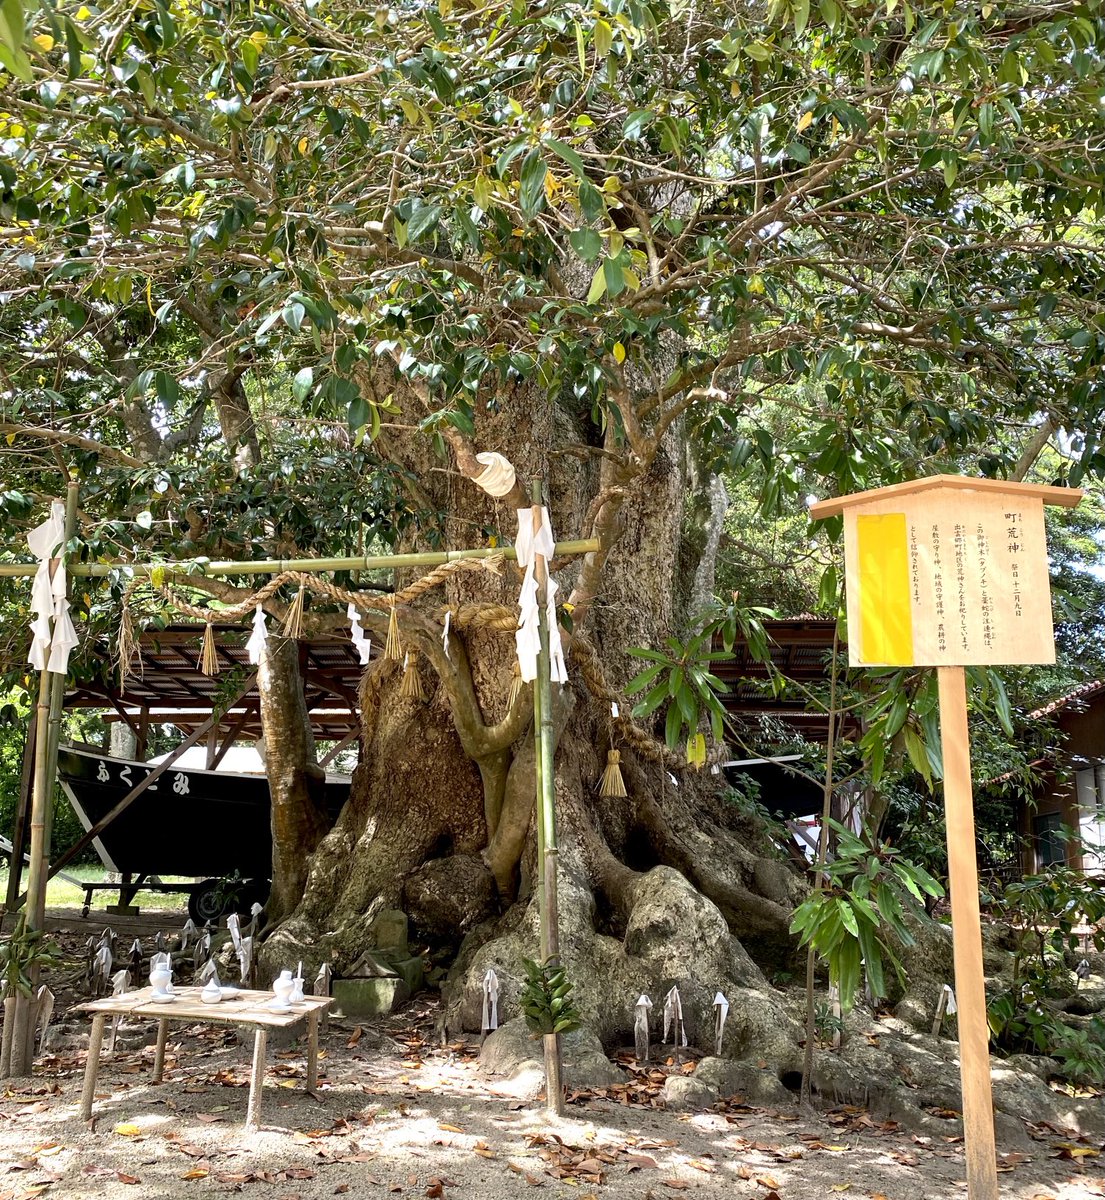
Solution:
(886, 613)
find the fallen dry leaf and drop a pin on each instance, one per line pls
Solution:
(196, 1172)
(123, 1177)
(127, 1130)
(677, 1185)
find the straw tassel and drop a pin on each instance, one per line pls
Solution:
(127, 646)
(210, 662)
(411, 687)
(293, 622)
(612, 783)
(393, 648)
(516, 685)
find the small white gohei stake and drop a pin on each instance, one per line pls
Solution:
(673, 1019)
(640, 1026)
(945, 1006)
(490, 1017)
(721, 1013)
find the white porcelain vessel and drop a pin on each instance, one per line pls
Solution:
(212, 993)
(161, 980)
(282, 985)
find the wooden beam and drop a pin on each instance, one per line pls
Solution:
(334, 751)
(235, 728)
(212, 746)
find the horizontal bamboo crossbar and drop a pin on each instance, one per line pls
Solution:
(277, 566)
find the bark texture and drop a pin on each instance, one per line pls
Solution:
(296, 782)
(657, 888)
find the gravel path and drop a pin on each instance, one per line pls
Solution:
(395, 1114)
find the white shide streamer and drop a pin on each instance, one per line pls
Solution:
(50, 648)
(361, 641)
(260, 635)
(529, 544)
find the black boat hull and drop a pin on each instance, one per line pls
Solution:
(187, 822)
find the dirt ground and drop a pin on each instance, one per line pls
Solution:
(396, 1112)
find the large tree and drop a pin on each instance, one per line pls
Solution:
(256, 257)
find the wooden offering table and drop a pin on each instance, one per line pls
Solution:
(251, 1009)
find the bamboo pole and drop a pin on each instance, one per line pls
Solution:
(970, 985)
(547, 850)
(277, 566)
(51, 691)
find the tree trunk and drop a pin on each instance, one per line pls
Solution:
(296, 782)
(655, 888)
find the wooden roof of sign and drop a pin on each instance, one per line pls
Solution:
(169, 683)
(1065, 497)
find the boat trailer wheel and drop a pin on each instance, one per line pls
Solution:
(215, 898)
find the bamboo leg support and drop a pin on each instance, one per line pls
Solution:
(9, 1032)
(159, 1053)
(92, 1064)
(312, 1050)
(257, 1080)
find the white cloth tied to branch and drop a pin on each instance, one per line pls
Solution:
(260, 635)
(50, 648)
(529, 544)
(497, 477)
(361, 641)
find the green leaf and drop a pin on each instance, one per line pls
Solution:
(801, 10)
(531, 196)
(302, 383)
(1001, 704)
(918, 755)
(603, 38)
(587, 243)
(293, 315)
(598, 286)
(637, 122)
(423, 220)
(573, 160)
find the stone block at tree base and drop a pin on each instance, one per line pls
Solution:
(389, 930)
(360, 998)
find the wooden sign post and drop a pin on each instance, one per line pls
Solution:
(951, 572)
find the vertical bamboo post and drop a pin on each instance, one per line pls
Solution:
(545, 750)
(48, 714)
(970, 988)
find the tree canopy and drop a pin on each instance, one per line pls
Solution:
(250, 254)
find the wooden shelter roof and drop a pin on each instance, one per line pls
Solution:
(800, 650)
(169, 684)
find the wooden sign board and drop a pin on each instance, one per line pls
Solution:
(948, 571)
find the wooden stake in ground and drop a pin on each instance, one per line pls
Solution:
(950, 572)
(970, 981)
